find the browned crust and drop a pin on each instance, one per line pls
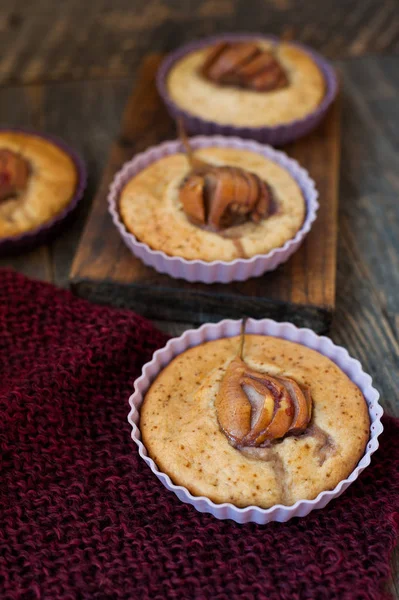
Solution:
(151, 209)
(51, 184)
(180, 430)
(241, 107)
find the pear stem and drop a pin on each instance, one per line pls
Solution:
(185, 141)
(242, 337)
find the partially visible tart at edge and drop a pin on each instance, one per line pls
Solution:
(50, 184)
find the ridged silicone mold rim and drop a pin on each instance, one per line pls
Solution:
(287, 331)
(275, 135)
(215, 271)
(43, 232)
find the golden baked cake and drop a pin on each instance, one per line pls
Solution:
(256, 83)
(37, 181)
(272, 424)
(216, 204)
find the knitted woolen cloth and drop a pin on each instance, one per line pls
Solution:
(83, 517)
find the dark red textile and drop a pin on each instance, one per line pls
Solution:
(82, 516)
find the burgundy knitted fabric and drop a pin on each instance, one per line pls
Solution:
(83, 517)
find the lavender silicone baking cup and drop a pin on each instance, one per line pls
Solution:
(239, 269)
(43, 233)
(286, 331)
(274, 135)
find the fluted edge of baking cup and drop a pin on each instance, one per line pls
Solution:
(216, 271)
(286, 331)
(46, 231)
(276, 135)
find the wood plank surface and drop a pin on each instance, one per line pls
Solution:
(302, 290)
(45, 41)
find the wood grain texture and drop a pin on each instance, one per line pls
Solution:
(45, 41)
(302, 290)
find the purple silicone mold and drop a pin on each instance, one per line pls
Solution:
(46, 231)
(216, 271)
(287, 331)
(273, 135)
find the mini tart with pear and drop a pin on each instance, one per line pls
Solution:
(38, 179)
(249, 83)
(276, 424)
(218, 204)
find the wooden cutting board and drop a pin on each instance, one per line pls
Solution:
(302, 290)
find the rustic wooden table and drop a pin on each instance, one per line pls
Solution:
(68, 70)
